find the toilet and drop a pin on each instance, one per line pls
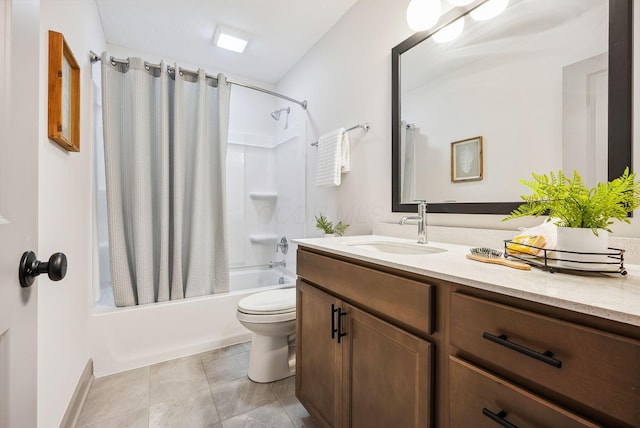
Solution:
(271, 316)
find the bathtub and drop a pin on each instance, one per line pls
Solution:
(126, 338)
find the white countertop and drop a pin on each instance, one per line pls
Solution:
(612, 296)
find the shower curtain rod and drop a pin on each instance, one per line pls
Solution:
(95, 58)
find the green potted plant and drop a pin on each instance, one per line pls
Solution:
(329, 228)
(583, 215)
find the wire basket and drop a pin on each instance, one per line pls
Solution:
(611, 261)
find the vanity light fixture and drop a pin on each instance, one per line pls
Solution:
(449, 32)
(423, 14)
(489, 10)
(230, 38)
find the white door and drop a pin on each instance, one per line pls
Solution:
(18, 212)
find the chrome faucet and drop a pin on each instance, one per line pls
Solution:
(283, 245)
(422, 221)
(274, 264)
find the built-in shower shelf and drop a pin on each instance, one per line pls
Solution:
(265, 239)
(263, 196)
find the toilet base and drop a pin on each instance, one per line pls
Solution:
(269, 359)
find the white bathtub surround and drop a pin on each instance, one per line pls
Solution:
(611, 296)
(126, 338)
(166, 191)
(265, 193)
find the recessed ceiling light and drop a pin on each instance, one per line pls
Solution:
(231, 38)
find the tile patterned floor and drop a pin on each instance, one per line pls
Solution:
(208, 390)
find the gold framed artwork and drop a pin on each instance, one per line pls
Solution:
(466, 160)
(64, 94)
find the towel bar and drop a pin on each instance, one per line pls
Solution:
(364, 127)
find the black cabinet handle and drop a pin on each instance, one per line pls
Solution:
(334, 330)
(499, 418)
(341, 313)
(545, 357)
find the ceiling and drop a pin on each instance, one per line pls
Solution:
(283, 31)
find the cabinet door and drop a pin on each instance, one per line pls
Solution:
(388, 374)
(317, 355)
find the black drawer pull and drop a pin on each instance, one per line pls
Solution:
(334, 330)
(545, 357)
(499, 418)
(340, 315)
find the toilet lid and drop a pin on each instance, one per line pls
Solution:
(269, 302)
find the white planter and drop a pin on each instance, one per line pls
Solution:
(329, 235)
(583, 241)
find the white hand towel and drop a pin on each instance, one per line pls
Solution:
(329, 160)
(345, 150)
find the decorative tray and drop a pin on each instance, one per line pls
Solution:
(611, 261)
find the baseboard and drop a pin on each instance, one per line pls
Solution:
(74, 408)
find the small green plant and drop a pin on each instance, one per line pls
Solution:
(327, 226)
(572, 204)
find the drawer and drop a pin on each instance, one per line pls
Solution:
(396, 299)
(480, 399)
(588, 366)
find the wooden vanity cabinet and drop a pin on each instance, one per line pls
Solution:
(425, 352)
(354, 369)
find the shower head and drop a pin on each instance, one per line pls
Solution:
(276, 114)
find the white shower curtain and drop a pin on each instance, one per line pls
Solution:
(407, 156)
(165, 142)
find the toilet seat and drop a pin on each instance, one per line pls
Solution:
(272, 302)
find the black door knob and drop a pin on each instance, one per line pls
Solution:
(31, 267)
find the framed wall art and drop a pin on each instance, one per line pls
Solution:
(64, 94)
(466, 160)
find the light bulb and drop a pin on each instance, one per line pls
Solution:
(423, 14)
(459, 2)
(449, 32)
(488, 10)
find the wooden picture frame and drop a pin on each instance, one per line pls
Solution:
(466, 160)
(64, 94)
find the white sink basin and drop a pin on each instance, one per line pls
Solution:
(391, 247)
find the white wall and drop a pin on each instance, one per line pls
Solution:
(346, 77)
(65, 218)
